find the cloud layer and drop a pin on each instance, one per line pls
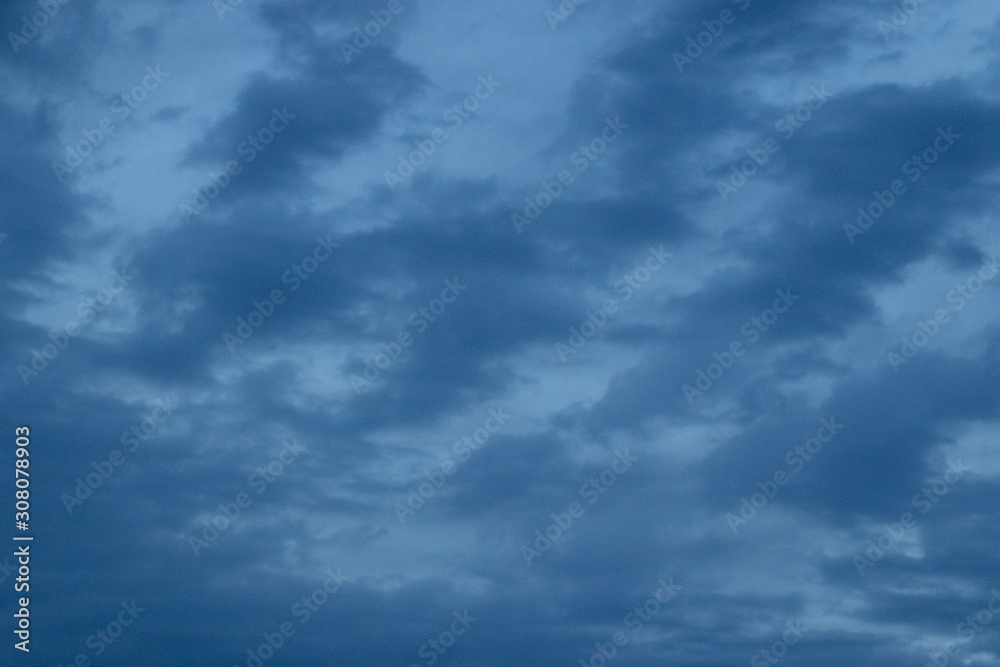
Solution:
(516, 333)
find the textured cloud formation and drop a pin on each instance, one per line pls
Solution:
(515, 333)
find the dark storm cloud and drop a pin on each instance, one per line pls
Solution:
(331, 108)
(494, 347)
(36, 39)
(42, 216)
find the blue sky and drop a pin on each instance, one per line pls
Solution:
(503, 333)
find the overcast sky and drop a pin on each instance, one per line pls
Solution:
(364, 332)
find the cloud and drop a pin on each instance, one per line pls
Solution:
(377, 329)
